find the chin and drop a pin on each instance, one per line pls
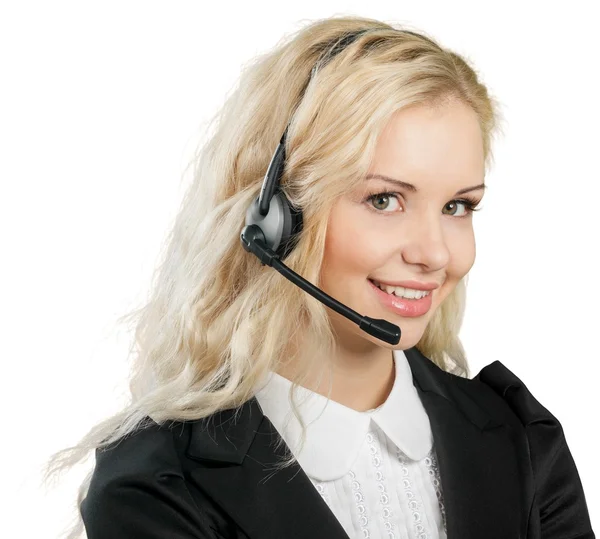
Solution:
(408, 339)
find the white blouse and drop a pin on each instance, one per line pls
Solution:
(376, 470)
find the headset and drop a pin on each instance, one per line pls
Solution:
(273, 227)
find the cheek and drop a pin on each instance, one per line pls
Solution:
(462, 253)
(349, 244)
(347, 251)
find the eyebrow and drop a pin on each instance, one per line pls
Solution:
(412, 188)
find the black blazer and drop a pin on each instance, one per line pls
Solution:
(505, 467)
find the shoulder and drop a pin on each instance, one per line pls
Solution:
(560, 508)
(500, 384)
(138, 489)
(150, 449)
(514, 394)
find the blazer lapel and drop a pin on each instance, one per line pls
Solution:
(265, 503)
(482, 462)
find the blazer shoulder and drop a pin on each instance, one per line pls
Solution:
(560, 508)
(522, 403)
(138, 489)
(149, 450)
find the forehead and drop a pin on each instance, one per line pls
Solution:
(441, 143)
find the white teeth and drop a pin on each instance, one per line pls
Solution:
(402, 292)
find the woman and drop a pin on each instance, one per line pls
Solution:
(261, 411)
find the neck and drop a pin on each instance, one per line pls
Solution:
(363, 376)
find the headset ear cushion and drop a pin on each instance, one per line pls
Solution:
(293, 224)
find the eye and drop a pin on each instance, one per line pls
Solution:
(469, 203)
(380, 202)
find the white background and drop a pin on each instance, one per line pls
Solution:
(101, 106)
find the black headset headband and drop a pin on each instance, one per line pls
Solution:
(271, 181)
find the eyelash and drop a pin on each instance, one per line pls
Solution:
(470, 203)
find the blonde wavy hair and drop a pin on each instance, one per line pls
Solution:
(217, 321)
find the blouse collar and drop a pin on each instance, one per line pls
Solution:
(335, 433)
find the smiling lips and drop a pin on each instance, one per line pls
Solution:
(414, 285)
(404, 306)
(402, 292)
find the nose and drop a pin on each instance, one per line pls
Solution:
(425, 244)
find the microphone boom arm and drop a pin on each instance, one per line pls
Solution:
(253, 241)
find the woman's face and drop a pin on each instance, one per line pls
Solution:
(423, 234)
